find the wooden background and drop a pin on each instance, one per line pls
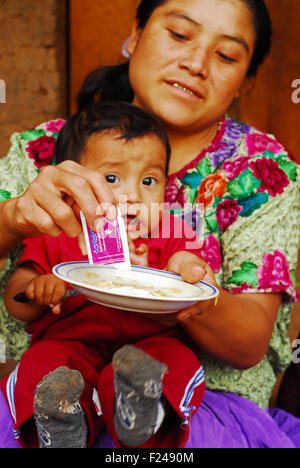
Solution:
(98, 30)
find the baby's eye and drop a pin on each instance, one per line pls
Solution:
(112, 179)
(149, 181)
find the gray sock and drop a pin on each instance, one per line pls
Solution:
(58, 414)
(138, 390)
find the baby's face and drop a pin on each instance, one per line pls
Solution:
(135, 171)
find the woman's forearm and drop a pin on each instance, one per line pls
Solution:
(9, 237)
(238, 329)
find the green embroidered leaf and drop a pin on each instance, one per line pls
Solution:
(4, 195)
(212, 224)
(289, 167)
(192, 179)
(204, 168)
(294, 279)
(32, 135)
(247, 274)
(193, 194)
(269, 154)
(217, 201)
(243, 185)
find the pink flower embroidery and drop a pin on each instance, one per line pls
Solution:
(211, 253)
(273, 179)
(275, 272)
(55, 126)
(227, 213)
(240, 289)
(175, 195)
(260, 143)
(234, 168)
(42, 150)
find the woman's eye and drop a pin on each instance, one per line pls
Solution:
(149, 181)
(177, 36)
(226, 58)
(112, 179)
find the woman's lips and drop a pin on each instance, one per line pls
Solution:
(185, 89)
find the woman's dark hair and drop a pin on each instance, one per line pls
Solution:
(123, 118)
(112, 82)
(263, 34)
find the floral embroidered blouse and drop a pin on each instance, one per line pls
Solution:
(249, 186)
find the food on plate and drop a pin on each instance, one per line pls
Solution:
(135, 288)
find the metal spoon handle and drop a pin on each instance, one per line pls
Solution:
(23, 299)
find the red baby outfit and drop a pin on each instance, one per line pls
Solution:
(85, 336)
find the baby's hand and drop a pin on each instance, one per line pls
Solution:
(47, 290)
(138, 256)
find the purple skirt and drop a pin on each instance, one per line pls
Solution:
(223, 420)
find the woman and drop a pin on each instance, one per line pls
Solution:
(188, 61)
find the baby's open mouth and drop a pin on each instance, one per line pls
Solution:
(132, 222)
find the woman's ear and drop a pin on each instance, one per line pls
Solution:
(133, 39)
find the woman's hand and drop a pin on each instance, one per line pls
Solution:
(47, 290)
(52, 202)
(192, 270)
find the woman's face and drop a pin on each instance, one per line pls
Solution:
(188, 64)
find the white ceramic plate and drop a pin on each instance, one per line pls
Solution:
(160, 291)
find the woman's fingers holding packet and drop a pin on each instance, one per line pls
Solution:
(51, 203)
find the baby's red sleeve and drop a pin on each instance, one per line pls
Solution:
(182, 239)
(35, 251)
(174, 236)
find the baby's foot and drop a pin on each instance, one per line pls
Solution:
(138, 390)
(58, 414)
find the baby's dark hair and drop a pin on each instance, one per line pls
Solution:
(123, 118)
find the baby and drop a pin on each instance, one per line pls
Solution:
(90, 366)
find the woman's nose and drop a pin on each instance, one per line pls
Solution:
(196, 61)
